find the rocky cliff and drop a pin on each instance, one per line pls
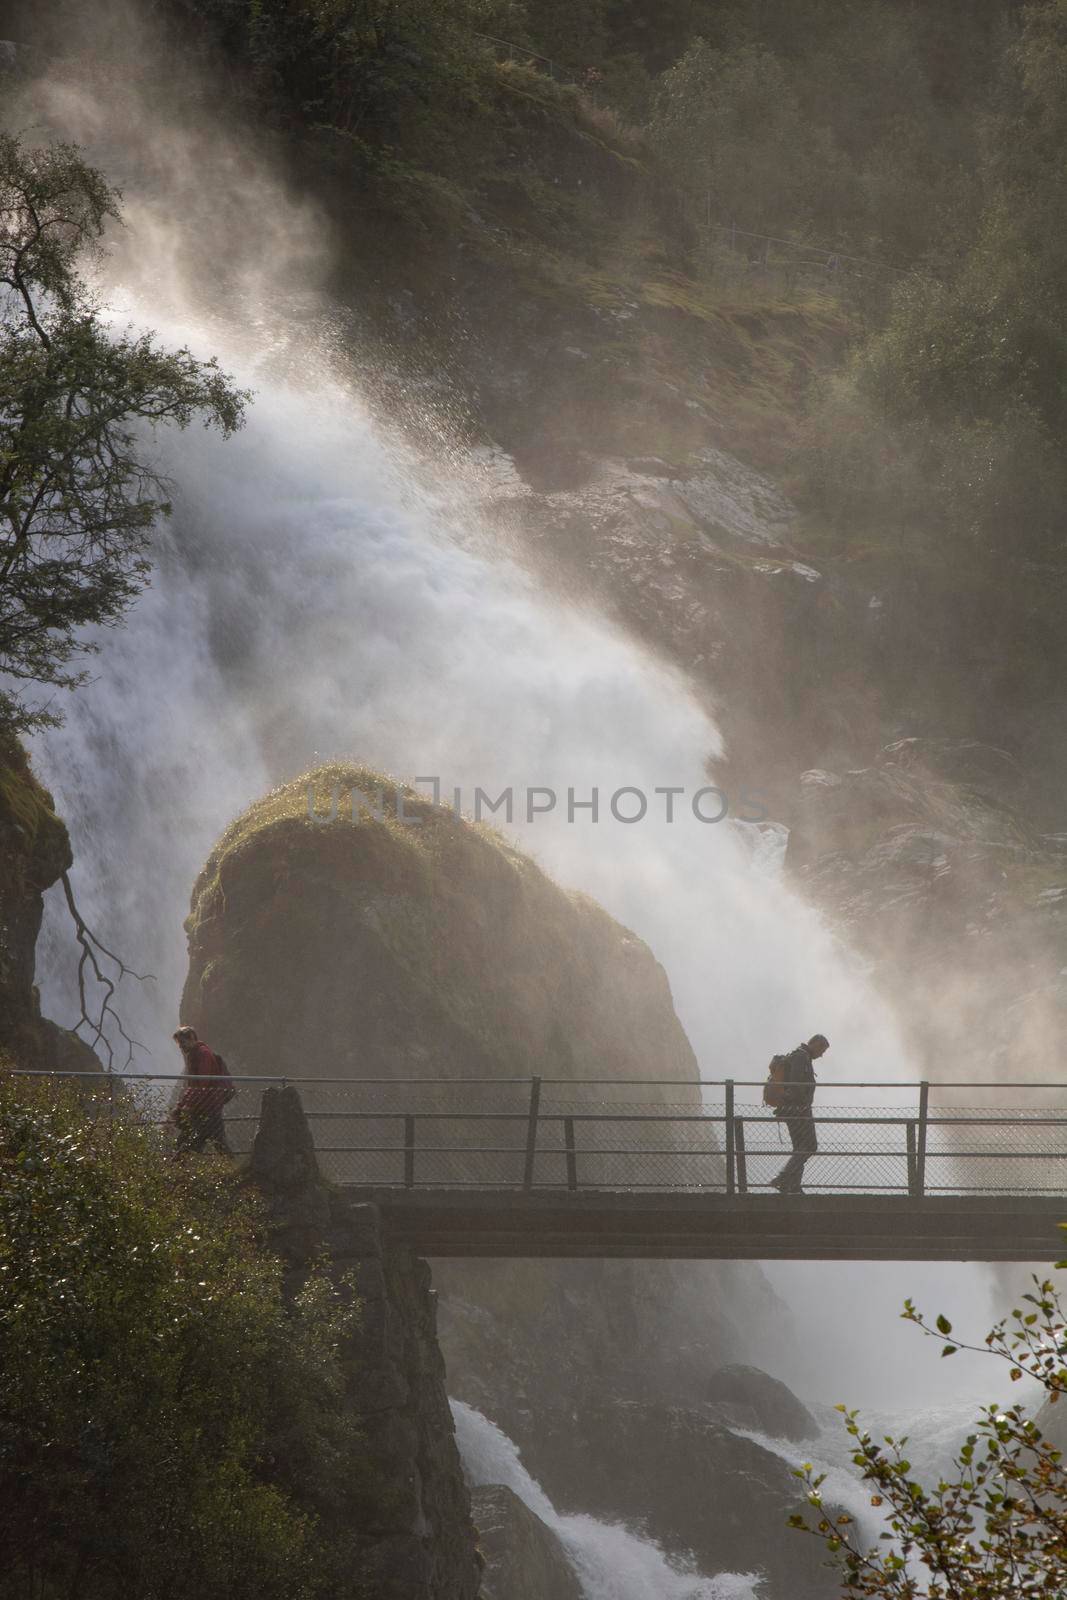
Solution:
(524, 1559)
(34, 853)
(413, 1537)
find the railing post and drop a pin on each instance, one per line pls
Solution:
(731, 1180)
(913, 1179)
(531, 1133)
(742, 1158)
(409, 1152)
(920, 1154)
(572, 1155)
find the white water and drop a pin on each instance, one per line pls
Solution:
(614, 1564)
(312, 602)
(610, 1562)
(934, 1435)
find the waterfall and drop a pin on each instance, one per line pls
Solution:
(312, 599)
(322, 591)
(609, 1562)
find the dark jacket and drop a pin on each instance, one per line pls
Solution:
(204, 1099)
(800, 1077)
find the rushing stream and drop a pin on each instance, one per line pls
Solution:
(610, 1562)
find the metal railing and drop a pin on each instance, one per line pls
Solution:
(549, 1133)
(507, 50)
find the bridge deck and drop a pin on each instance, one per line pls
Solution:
(717, 1227)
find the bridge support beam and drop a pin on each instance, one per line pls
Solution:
(627, 1224)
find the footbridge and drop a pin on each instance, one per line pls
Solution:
(541, 1167)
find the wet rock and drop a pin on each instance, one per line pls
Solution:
(776, 1409)
(699, 561)
(524, 1559)
(680, 1477)
(929, 856)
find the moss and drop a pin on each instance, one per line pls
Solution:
(416, 937)
(28, 821)
(302, 809)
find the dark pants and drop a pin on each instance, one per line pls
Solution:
(198, 1128)
(801, 1125)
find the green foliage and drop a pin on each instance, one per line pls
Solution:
(376, 68)
(948, 430)
(151, 1374)
(78, 498)
(997, 1526)
(732, 127)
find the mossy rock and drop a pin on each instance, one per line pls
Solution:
(34, 853)
(31, 831)
(412, 943)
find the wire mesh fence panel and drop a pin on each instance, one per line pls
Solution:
(630, 1144)
(853, 1151)
(418, 1133)
(973, 1150)
(625, 1136)
(520, 1133)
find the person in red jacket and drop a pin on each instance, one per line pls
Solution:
(207, 1087)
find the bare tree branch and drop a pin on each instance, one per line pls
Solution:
(89, 961)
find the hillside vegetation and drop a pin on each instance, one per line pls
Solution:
(172, 1422)
(825, 236)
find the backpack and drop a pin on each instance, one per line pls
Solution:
(776, 1089)
(227, 1091)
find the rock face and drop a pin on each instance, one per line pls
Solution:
(415, 1540)
(929, 858)
(34, 853)
(700, 562)
(523, 1558)
(773, 1406)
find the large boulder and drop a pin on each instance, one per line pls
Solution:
(415, 944)
(524, 1559)
(679, 1476)
(773, 1406)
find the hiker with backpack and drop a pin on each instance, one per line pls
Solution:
(790, 1089)
(207, 1087)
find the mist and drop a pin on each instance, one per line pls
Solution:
(325, 591)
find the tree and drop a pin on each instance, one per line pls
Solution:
(79, 404)
(152, 1371)
(996, 1529)
(730, 125)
